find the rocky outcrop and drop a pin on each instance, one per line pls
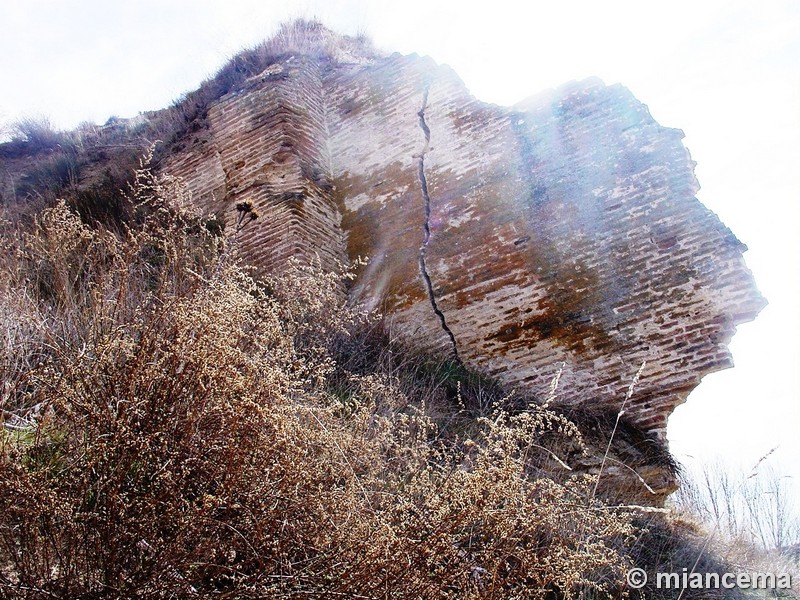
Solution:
(561, 234)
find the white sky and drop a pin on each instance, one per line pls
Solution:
(727, 72)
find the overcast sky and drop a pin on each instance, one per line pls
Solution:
(727, 72)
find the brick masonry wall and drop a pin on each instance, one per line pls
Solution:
(561, 233)
(268, 144)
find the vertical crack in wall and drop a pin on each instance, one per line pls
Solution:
(326, 109)
(426, 199)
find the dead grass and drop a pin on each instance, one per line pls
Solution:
(174, 427)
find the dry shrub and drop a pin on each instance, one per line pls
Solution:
(748, 519)
(35, 134)
(174, 427)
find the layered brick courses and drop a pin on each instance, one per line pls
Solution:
(562, 231)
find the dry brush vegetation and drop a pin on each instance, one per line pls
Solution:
(174, 426)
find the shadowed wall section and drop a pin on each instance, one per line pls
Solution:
(268, 143)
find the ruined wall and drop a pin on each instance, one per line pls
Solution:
(562, 232)
(559, 234)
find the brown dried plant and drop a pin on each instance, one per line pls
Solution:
(174, 427)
